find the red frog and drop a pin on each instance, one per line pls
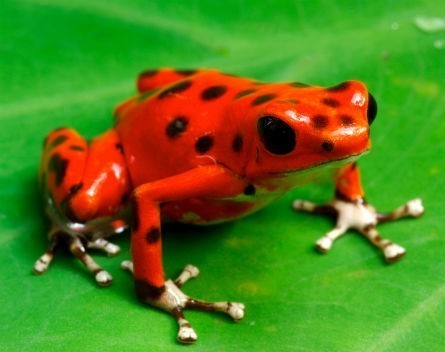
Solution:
(202, 147)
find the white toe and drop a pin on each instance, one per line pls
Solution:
(324, 244)
(103, 278)
(394, 252)
(127, 265)
(186, 334)
(42, 263)
(298, 204)
(193, 270)
(112, 249)
(236, 311)
(40, 267)
(415, 207)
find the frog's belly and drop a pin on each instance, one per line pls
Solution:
(207, 211)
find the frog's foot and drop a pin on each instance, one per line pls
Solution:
(77, 244)
(171, 299)
(362, 217)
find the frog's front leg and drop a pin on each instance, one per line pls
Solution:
(186, 333)
(352, 212)
(208, 181)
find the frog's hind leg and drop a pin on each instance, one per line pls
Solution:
(42, 264)
(78, 237)
(84, 195)
(77, 248)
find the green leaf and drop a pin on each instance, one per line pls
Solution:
(70, 62)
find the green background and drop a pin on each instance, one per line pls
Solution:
(71, 62)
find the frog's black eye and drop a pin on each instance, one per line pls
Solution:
(278, 137)
(372, 109)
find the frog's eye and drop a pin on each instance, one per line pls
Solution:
(372, 109)
(278, 137)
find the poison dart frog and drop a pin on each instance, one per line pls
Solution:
(203, 147)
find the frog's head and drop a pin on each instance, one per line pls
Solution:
(303, 128)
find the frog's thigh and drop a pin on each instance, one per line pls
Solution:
(207, 181)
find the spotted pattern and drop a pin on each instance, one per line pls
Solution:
(263, 99)
(204, 144)
(187, 72)
(244, 93)
(76, 188)
(346, 120)
(77, 148)
(58, 141)
(339, 88)
(58, 165)
(330, 102)
(153, 236)
(176, 127)
(213, 92)
(120, 148)
(327, 146)
(175, 89)
(320, 121)
(237, 144)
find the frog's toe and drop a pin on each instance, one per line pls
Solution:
(103, 278)
(186, 334)
(127, 265)
(393, 252)
(324, 244)
(42, 264)
(303, 205)
(415, 207)
(236, 310)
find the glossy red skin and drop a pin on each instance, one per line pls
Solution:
(226, 117)
(139, 157)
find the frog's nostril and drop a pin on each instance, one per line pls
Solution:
(372, 109)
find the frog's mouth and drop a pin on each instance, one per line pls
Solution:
(331, 164)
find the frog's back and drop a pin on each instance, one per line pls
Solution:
(179, 121)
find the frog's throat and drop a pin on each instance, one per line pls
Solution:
(328, 164)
